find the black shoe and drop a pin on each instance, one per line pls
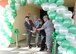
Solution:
(30, 46)
(41, 50)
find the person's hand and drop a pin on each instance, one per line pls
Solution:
(38, 29)
(32, 31)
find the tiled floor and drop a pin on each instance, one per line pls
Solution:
(23, 43)
(23, 49)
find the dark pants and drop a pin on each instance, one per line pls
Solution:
(28, 39)
(43, 45)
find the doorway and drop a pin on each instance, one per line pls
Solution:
(42, 13)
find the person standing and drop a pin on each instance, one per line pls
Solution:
(36, 24)
(29, 28)
(49, 28)
(43, 36)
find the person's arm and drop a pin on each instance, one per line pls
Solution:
(43, 27)
(40, 29)
(26, 26)
(32, 23)
(33, 26)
